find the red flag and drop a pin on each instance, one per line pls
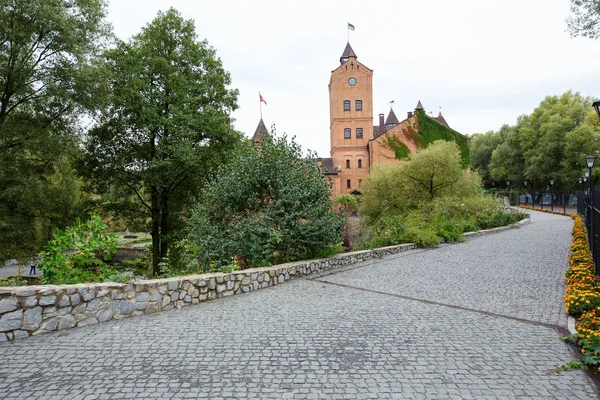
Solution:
(261, 99)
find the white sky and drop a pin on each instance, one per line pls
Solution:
(485, 62)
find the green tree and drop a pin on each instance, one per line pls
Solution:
(584, 19)
(46, 80)
(482, 147)
(167, 125)
(269, 205)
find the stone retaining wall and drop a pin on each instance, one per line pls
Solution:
(31, 310)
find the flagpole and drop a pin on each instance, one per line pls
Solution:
(348, 34)
(260, 104)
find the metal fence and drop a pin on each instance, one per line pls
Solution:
(590, 211)
(563, 201)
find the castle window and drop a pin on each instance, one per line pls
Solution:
(359, 163)
(348, 164)
(358, 105)
(348, 184)
(347, 133)
(346, 105)
(359, 132)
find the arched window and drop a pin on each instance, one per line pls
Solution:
(359, 133)
(359, 163)
(346, 105)
(347, 133)
(348, 164)
(348, 184)
(358, 105)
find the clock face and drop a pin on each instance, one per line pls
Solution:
(352, 81)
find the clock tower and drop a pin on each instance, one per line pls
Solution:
(350, 121)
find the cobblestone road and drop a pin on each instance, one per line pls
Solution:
(335, 338)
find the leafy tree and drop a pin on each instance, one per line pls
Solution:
(584, 19)
(435, 172)
(167, 125)
(482, 146)
(269, 205)
(45, 78)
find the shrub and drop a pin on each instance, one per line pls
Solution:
(270, 205)
(76, 254)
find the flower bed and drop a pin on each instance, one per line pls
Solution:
(546, 211)
(582, 298)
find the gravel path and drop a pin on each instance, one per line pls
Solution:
(334, 337)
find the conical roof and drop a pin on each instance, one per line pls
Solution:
(440, 118)
(260, 132)
(419, 106)
(348, 52)
(391, 118)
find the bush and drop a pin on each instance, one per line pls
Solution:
(270, 205)
(76, 254)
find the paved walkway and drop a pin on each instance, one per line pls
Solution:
(469, 321)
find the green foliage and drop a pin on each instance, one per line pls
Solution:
(400, 149)
(550, 143)
(13, 281)
(427, 199)
(76, 254)
(269, 205)
(346, 202)
(330, 251)
(46, 81)
(431, 130)
(167, 125)
(584, 19)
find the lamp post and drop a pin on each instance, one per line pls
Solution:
(589, 160)
(526, 199)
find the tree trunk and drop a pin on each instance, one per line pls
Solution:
(155, 231)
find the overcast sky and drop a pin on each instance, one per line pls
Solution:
(484, 62)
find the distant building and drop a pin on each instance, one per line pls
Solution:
(357, 145)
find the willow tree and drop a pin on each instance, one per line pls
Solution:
(167, 124)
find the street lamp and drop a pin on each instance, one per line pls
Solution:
(551, 195)
(589, 160)
(526, 199)
(596, 106)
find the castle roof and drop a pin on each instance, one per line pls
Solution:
(391, 118)
(260, 132)
(348, 52)
(327, 167)
(419, 106)
(440, 118)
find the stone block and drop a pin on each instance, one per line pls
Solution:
(201, 283)
(141, 306)
(187, 299)
(203, 297)
(117, 295)
(32, 318)
(182, 295)
(80, 309)
(11, 321)
(195, 301)
(102, 293)
(64, 301)
(245, 289)
(105, 315)
(220, 279)
(66, 322)
(162, 289)
(125, 307)
(88, 295)
(142, 297)
(20, 334)
(75, 299)
(221, 288)
(154, 295)
(195, 293)
(212, 284)
(8, 305)
(153, 307)
(3, 338)
(93, 305)
(172, 285)
(87, 321)
(25, 292)
(245, 281)
(254, 285)
(174, 296)
(28, 302)
(228, 293)
(64, 311)
(166, 300)
(49, 325)
(47, 301)
(49, 312)
(230, 285)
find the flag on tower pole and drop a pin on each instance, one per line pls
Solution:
(261, 100)
(350, 28)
